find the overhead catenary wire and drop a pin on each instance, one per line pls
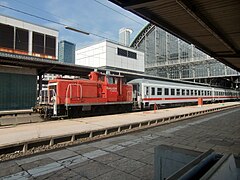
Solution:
(118, 12)
(57, 16)
(49, 20)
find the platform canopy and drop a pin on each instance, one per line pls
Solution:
(211, 25)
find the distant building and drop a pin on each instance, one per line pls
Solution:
(124, 36)
(111, 55)
(66, 52)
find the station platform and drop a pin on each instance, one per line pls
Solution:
(15, 112)
(27, 133)
(132, 155)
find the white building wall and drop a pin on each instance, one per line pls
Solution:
(105, 54)
(93, 56)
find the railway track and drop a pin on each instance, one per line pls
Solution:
(51, 143)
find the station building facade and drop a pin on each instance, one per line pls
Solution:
(111, 55)
(168, 56)
(18, 85)
(25, 38)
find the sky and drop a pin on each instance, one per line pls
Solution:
(99, 17)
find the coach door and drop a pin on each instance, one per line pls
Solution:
(136, 92)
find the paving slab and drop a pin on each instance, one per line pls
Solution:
(92, 170)
(126, 165)
(116, 175)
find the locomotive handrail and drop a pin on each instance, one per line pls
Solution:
(70, 88)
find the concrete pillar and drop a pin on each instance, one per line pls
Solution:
(56, 53)
(39, 83)
(14, 38)
(30, 40)
(166, 48)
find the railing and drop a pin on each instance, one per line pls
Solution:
(69, 92)
(47, 96)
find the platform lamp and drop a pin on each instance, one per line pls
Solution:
(77, 30)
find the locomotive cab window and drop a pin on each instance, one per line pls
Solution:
(153, 91)
(111, 80)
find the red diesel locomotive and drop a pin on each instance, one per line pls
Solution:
(77, 97)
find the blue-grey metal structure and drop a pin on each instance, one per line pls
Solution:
(170, 57)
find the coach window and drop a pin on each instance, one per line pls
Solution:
(183, 92)
(147, 90)
(202, 93)
(199, 92)
(178, 92)
(153, 91)
(166, 91)
(159, 91)
(195, 92)
(210, 93)
(173, 92)
(191, 92)
(187, 92)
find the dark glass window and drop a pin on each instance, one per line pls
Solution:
(195, 92)
(50, 45)
(183, 92)
(147, 91)
(178, 92)
(187, 93)
(110, 80)
(122, 52)
(159, 91)
(132, 55)
(191, 92)
(38, 43)
(153, 91)
(21, 40)
(166, 91)
(199, 92)
(6, 36)
(172, 92)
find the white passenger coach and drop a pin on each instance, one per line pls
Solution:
(147, 93)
